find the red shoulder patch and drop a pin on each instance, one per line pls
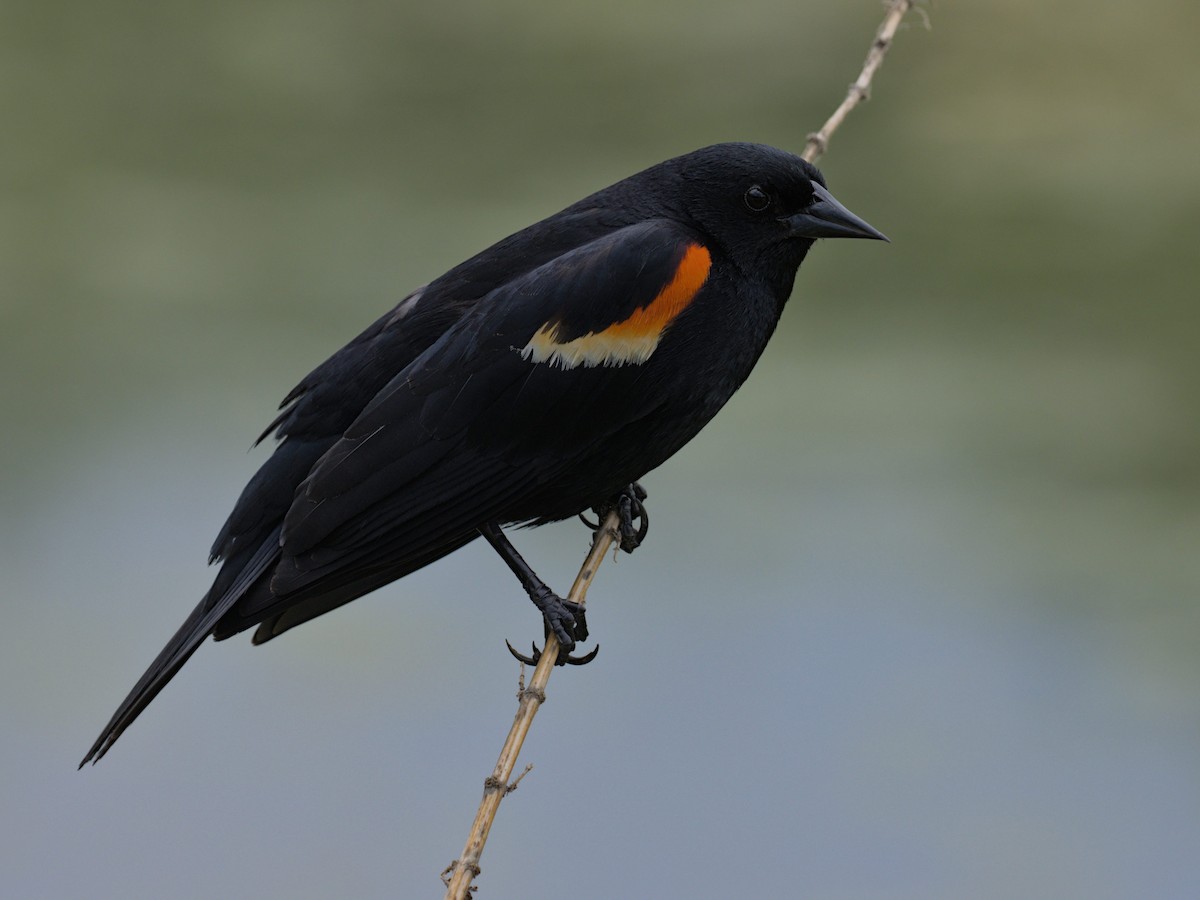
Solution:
(631, 340)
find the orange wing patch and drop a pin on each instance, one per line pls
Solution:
(632, 340)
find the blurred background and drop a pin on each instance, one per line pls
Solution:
(919, 613)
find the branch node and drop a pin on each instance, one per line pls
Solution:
(448, 874)
(533, 692)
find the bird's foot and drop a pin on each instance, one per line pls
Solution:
(563, 658)
(628, 504)
(564, 619)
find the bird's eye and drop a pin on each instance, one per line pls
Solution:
(757, 199)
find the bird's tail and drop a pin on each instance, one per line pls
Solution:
(191, 634)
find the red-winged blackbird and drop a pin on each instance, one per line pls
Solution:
(539, 378)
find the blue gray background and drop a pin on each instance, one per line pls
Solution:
(918, 615)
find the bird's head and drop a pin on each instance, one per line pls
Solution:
(760, 203)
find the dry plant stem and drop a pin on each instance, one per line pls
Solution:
(460, 873)
(463, 870)
(861, 89)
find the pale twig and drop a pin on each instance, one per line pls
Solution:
(818, 141)
(460, 873)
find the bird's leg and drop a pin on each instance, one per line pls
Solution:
(628, 504)
(561, 617)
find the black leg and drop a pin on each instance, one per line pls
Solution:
(628, 504)
(563, 618)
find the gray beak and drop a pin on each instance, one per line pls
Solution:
(826, 218)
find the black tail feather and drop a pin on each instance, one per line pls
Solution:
(198, 626)
(185, 642)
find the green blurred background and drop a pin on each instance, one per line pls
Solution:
(919, 613)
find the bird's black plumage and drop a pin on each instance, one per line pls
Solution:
(535, 380)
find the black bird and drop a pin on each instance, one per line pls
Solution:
(541, 377)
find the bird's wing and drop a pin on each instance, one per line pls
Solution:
(327, 400)
(494, 407)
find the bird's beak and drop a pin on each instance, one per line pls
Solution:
(826, 218)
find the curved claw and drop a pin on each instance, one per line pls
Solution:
(579, 660)
(564, 659)
(520, 657)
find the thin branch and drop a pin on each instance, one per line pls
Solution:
(463, 870)
(818, 142)
(460, 873)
